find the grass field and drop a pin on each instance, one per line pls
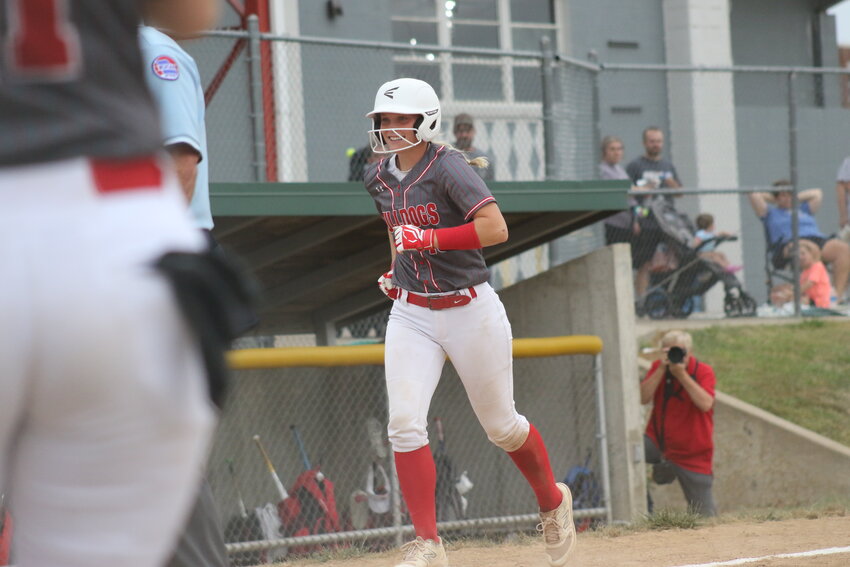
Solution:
(800, 372)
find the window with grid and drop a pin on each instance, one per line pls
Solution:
(510, 25)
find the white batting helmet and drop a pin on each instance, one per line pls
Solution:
(406, 96)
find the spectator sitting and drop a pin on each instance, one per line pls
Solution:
(706, 232)
(814, 279)
(774, 209)
(781, 294)
(625, 225)
(815, 288)
(464, 131)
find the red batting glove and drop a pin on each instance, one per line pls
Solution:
(385, 284)
(409, 237)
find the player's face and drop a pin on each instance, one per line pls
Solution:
(403, 133)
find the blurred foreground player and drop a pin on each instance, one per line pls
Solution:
(106, 417)
(175, 82)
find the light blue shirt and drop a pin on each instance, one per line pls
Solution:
(778, 222)
(704, 235)
(173, 78)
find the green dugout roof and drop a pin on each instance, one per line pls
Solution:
(319, 248)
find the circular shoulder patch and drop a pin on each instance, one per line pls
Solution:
(165, 68)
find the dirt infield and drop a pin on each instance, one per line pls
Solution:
(669, 548)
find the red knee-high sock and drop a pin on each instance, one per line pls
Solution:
(533, 461)
(417, 477)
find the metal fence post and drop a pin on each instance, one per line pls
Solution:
(255, 87)
(548, 86)
(597, 114)
(795, 202)
(602, 434)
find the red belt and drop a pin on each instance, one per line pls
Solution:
(126, 174)
(441, 301)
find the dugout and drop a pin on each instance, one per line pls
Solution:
(318, 249)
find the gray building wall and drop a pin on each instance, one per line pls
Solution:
(340, 83)
(623, 32)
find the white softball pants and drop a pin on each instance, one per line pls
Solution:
(477, 339)
(105, 420)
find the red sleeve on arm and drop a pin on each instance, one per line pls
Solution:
(463, 237)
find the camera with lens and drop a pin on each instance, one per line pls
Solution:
(676, 354)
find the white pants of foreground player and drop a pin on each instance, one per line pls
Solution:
(477, 339)
(105, 420)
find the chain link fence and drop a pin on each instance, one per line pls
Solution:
(333, 420)
(304, 119)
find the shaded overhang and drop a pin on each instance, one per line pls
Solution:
(319, 248)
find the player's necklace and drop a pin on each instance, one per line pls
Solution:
(400, 170)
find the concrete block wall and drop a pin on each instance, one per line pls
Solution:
(763, 461)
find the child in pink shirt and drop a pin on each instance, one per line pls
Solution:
(814, 279)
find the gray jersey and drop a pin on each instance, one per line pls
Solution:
(441, 191)
(79, 92)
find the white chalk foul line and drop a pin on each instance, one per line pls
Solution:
(813, 553)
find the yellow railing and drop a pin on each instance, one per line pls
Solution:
(255, 358)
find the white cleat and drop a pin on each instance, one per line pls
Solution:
(423, 553)
(559, 531)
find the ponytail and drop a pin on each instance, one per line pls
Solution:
(479, 162)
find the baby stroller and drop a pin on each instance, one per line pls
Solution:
(672, 292)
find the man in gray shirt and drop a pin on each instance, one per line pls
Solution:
(651, 171)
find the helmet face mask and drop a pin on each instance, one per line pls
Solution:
(405, 96)
(380, 139)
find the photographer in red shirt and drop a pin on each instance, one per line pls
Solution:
(679, 436)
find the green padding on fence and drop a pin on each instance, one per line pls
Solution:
(324, 199)
(255, 358)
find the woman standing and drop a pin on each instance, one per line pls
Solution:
(440, 214)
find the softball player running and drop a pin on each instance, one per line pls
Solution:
(106, 417)
(440, 214)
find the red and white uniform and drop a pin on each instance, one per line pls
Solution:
(443, 190)
(106, 418)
